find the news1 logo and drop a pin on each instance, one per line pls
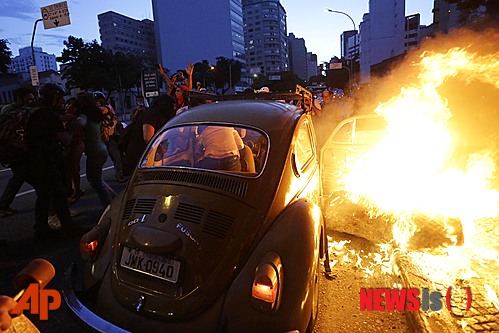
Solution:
(407, 299)
(38, 301)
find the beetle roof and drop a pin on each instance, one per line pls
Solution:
(268, 115)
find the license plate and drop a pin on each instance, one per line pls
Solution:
(164, 268)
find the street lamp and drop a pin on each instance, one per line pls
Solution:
(338, 12)
(204, 76)
(350, 72)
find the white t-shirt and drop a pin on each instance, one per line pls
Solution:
(220, 142)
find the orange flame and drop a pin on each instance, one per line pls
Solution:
(413, 169)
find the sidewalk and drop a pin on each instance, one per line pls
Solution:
(477, 268)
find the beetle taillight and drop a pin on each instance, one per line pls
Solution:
(89, 248)
(89, 243)
(265, 284)
(266, 290)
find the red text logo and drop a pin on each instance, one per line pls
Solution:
(407, 299)
(38, 301)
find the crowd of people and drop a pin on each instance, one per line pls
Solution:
(61, 131)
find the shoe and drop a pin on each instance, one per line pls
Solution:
(8, 211)
(75, 197)
(54, 222)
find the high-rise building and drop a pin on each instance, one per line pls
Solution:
(382, 34)
(344, 43)
(265, 37)
(120, 33)
(21, 63)
(297, 52)
(191, 31)
(312, 65)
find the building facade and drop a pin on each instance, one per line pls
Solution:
(412, 31)
(445, 16)
(382, 34)
(344, 40)
(265, 37)
(191, 31)
(297, 53)
(120, 33)
(312, 65)
(21, 63)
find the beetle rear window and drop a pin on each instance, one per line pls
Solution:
(222, 148)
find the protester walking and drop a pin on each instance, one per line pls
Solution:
(44, 133)
(110, 131)
(95, 149)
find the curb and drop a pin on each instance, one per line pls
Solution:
(420, 321)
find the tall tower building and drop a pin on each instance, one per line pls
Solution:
(191, 31)
(298, 56)
(265, 37)
(120, 33)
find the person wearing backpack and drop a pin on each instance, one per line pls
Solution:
(22, 99)
(110, 131)
(44, 153)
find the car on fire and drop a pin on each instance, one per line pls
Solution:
(192, 248)
(353, 137)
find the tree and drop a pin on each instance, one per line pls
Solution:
(89, 66)
(5, 55)
(86, 65)
(227, 70)
(201, 73)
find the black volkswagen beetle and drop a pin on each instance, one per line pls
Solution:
(207, 237)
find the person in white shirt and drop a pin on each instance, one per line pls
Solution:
(221, 146)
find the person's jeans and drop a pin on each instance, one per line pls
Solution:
(228, 163)
(95, 161)
(115, 154)
(72, 168)
(48, 181)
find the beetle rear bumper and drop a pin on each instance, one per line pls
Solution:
(83, 314)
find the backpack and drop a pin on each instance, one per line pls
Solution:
(12, 135)
(108, 124)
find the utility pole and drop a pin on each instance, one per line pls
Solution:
(33, 50)
(230, 75)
